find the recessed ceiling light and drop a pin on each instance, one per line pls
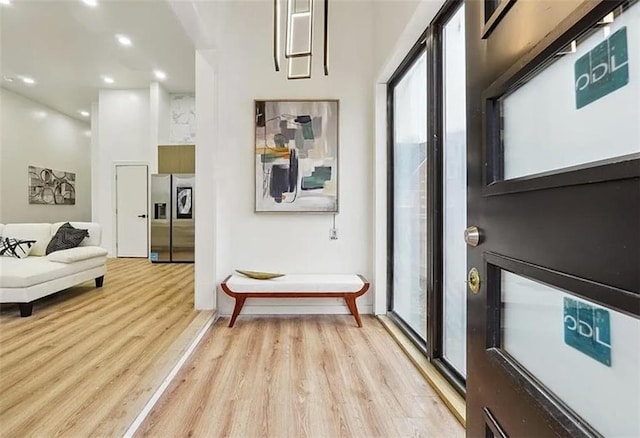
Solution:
(107, 80)
(8, 78)
(5, 2)
(92, 3)
(27, 80)
(160, 75)
(124, 40)
(84, 113)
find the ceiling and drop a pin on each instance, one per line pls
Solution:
(66, 46)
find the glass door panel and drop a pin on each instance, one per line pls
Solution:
(581, 108)
(410, 197)
(454, 175)
(586, 354)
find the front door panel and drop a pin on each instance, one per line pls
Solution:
(554, 187)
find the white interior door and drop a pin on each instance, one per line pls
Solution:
(131, 210)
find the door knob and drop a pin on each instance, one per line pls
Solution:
(472, 236)
(142, 215)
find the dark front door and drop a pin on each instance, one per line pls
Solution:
(553, 91)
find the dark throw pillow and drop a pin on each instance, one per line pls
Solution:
(65, 238)
(10, 247)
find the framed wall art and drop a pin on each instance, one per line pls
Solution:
(296, 156)
(51, 187)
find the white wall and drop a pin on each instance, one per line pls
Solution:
(164, 113)
(95, 163)
(208, 244)
(399, 24)
(288, 242)
(159, 115)
(32, 134)
(123, 137)
(391, 18)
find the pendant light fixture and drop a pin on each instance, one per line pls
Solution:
(298, 17)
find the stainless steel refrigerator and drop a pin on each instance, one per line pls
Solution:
(172, 218)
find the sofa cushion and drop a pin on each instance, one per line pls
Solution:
(10, 247)
(41, 233)
(77, 254)
(95, 232)
(35, 270)
(66, 237)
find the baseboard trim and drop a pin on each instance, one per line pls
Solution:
(451, 398)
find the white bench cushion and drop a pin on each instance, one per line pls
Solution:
(298, 283)
(34, 270)
(77, 254)
(41, 233)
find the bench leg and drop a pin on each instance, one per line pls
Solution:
(351, 304)
(99, 281)
(236, 310)
(25, 309)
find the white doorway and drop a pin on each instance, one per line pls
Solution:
(131, 210)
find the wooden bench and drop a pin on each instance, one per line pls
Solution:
(347, 286)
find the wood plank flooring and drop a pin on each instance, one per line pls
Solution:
(88, 359)
(316, 376)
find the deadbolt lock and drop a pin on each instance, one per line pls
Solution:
(473, 280)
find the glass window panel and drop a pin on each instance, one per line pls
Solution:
(455, 195)
(534, 316)
(567, 114)
(410, 197)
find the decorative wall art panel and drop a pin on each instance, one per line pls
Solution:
(296, 152)
(51, 187)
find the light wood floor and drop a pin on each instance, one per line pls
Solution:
(316, 376)
(88, 359)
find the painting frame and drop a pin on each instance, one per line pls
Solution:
(47, 186)
(298, 112)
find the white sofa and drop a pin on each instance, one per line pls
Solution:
(25, 280)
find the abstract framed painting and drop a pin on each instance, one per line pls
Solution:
(51, 187)
(296, 156)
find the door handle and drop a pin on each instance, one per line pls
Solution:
(142, 215)
(473, 236)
